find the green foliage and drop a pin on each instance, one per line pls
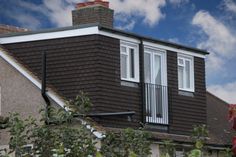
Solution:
(3, 122)
(226, 153)
(18, 132)
(127, 143)
(199, 135)
(62, 136)
(168, 148)
(81, 104)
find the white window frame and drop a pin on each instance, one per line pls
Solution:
(130, 45)
(192, 81)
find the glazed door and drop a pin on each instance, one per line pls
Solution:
(155, 86)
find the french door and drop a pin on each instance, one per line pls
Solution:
(156, 92)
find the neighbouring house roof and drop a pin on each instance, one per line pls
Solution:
(28, 73)
(220, 131)
(5, 29)
(181, 139)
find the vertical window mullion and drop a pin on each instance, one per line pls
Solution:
(128, 63)
(184, 73)
(132, 62)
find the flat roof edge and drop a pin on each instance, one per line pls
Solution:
(166, 43)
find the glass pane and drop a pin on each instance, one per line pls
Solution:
(181, 76)
(158, 97)
(187, 72)
(123, 49)
(180, 61)
(123, 66)
(157, 69)
(132, 72)
(147, 67)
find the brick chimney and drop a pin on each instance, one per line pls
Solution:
(97, 11)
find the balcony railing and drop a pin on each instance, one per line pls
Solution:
(156, 104)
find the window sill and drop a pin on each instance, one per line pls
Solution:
(186, 93)
(129, 84)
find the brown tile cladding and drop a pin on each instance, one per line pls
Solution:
(186, 111)
(92, 64)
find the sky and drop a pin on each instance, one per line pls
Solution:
(205, 24)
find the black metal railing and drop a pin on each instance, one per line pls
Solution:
(156, 103)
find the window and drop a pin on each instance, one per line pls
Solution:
(129, 62)
(185, 73)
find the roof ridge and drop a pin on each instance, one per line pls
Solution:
(210, 93)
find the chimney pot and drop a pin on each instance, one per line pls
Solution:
(97, 11)
(96, 2)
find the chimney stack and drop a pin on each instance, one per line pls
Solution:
(97, 11)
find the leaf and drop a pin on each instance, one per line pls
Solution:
(98, 154)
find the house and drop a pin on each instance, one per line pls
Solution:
(221, 133)
(132, 80)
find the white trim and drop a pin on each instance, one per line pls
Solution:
(36, 82)
(130, 45)
(50, 35)
(121, 37)
(89, 31)
(162, 53)
(191, 53)
(192, 80)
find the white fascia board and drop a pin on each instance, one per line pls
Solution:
(88, 31)
(121, 37)
(163, 47)
(64, 34)
(50, 35)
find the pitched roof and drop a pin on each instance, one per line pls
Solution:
(4, 29)
(220, 131)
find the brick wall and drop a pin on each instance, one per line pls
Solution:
(93, 14)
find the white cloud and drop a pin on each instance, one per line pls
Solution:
(174, 40)
(214, 64)
(178, 2)
(149, 10)
(28, 21)
(221, 42)
(226, 92)
(230, 5)
(25, 20)
(127, 26)
(59, 12)
(220, 38)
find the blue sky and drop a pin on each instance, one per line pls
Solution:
(209, 25)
